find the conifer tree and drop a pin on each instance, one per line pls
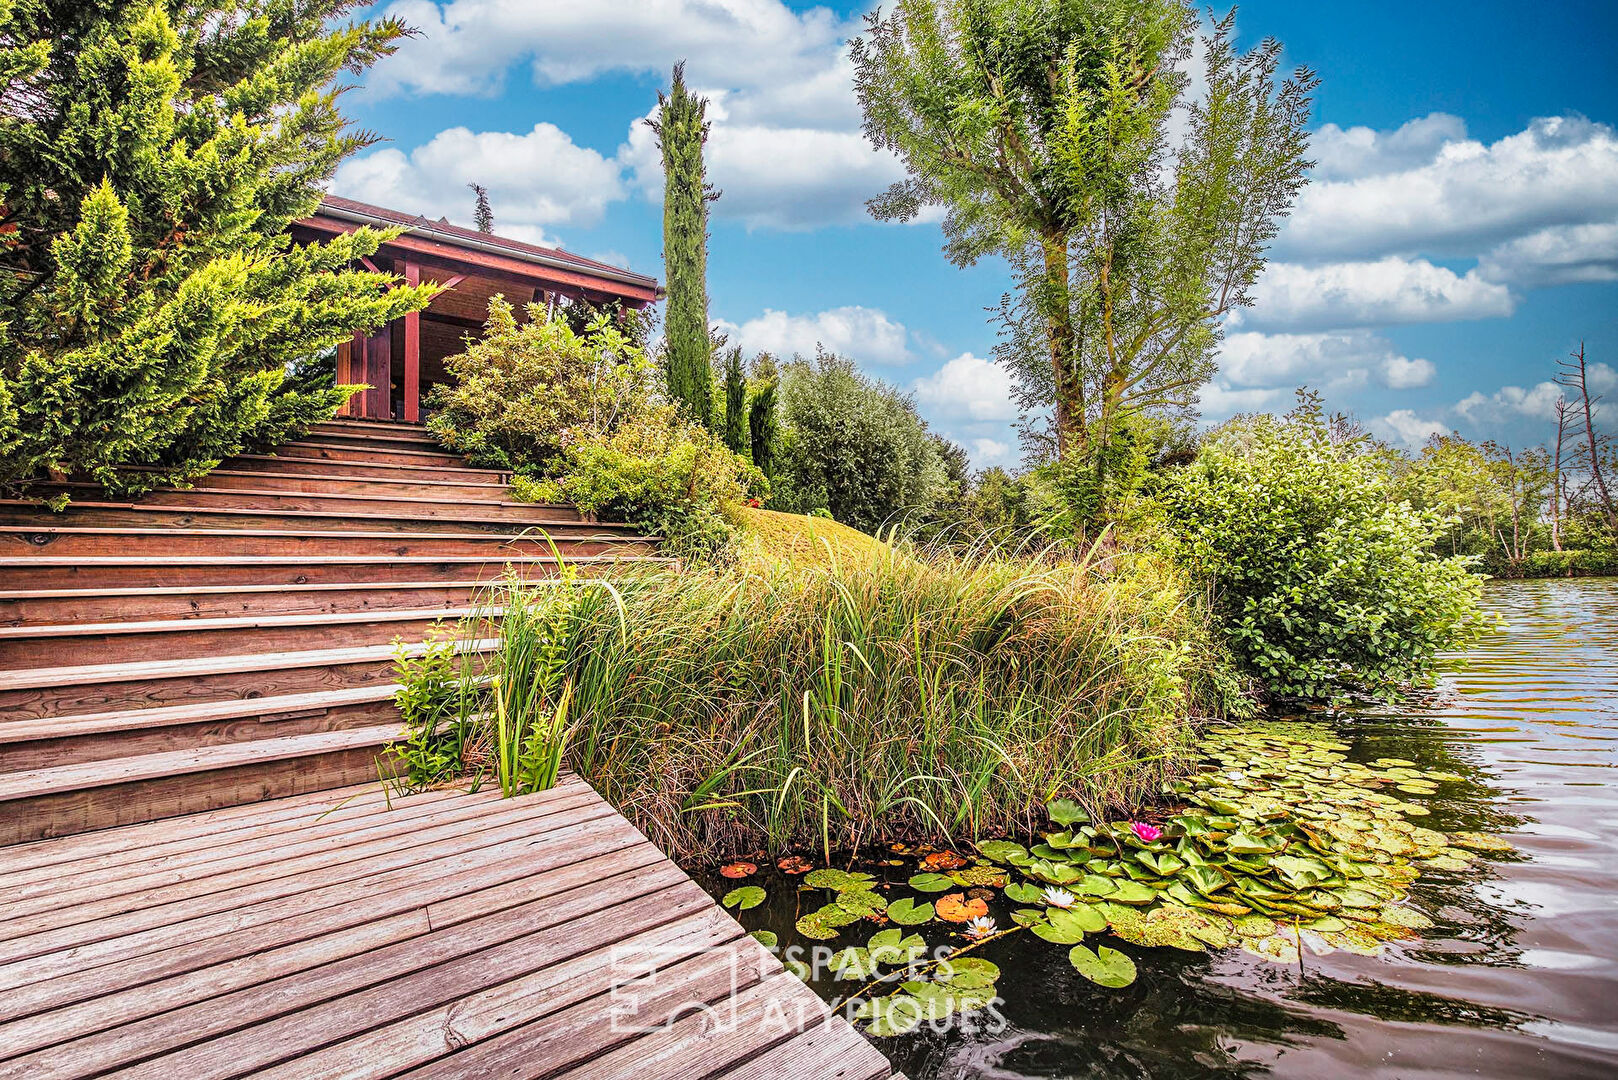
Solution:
(482, 214)
(153, 310)
(682, 129)
(735, 402)
(764, 428)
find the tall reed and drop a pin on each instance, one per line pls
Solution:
(933, 693)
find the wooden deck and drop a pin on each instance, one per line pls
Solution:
(335, 935)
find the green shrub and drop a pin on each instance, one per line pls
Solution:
(852, 446)
(528, 390)
(1542, 564)
(1322, 581)
(912, 693)
(671, 477)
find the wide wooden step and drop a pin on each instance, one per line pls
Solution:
(73, 542)
(501, 519)
(84, 688)
(74, 606)
(390, 440)
(360, 470)
(71, 740)
(374, 427)
(35, 572)
(328, 484)
(40, 803)
(25, 647)
(359, 507)
(361, 450)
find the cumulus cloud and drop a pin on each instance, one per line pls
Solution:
(1404, 426)
(772, 176)
(1558, 171)
(1537, 402)
(1219, 400)
(967, 388)
(988, 452)
(861, 333)
(536, 180)
(1348, 153)
(1252, 359)
(1561, 255)
(1378, 293)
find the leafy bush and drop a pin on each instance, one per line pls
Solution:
(853, 446)
(914, 692)
(667, 475)
(1567, 564)
(1322, 580)
(528, 390)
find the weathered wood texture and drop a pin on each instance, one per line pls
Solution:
(235, 641)
(350, 935)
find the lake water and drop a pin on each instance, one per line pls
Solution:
(1519, 977)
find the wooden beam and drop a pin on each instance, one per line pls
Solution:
(412, 351)
(452, 320)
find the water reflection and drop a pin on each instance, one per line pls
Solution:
(1519, 978)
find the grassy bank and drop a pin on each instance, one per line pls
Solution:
(826, 705)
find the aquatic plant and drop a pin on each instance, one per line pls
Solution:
(1278, 843)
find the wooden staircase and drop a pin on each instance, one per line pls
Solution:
(234, 641)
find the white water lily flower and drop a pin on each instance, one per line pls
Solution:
(980, 927)
(1055, 897)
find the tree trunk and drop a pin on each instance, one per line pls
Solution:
(1556, 476)
(1594, 444)
(1067, 385)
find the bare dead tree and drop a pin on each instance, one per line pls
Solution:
(1575, 377)
(1558, 479)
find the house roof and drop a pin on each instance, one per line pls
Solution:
(443, 231)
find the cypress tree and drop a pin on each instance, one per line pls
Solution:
(482, 215)
(682, 129)
(152, 157)
(736, 419)
(765, 428)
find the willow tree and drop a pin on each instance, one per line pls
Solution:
(156, 317)
(1042, 128)
(682, 129)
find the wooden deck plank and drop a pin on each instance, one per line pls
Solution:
(33, 936)
(465, 935)
(140, 959)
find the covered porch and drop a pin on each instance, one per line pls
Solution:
(401, 360)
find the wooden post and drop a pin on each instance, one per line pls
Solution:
(412, 352)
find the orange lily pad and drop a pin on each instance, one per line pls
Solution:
(957, 908)
(738, 869)
(794, 864)
(943, 860)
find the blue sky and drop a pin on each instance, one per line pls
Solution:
(1461, 232)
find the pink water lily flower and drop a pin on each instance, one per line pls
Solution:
(1149, 834)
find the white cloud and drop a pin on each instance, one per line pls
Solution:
(1347, 153)
(1556, 256)
(1338, 360)
(967, 388)
(1402, 373)
(861, 333)
(1537, 402)
(468, 46)
(988, 452)
(780, 177)
(1379, 293)
(1404, 426)
(1468, 197)
(1219, 401)
(535, 180)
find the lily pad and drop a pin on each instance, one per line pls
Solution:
(840, 880)
(931, 883)
(958, 908)
(906, 912)
(1104, 967)
(744, 898)
(765, 938)
(1067, 926)
(1066, 812)
(1001, 850)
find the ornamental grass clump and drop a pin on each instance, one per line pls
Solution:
(910, 694)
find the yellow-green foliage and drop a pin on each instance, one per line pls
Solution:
(800, 539)
(525, 391)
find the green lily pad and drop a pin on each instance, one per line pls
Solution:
(765, 938)
(1066, 812)
(840, 880)
(748, 896)
(1104, 967)
(906, 912)
(1001, 850)
(1067, 926)
(929, 882)
(1023, 893)
(887, 1017)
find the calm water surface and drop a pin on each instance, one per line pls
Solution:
(1519, 978)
